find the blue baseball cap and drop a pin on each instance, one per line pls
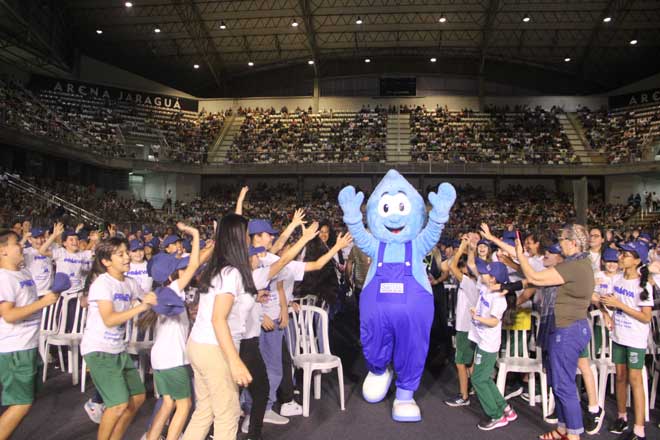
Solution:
(170, 239)
(69, 233)
(153, 243)
(256, 250)
(610, 255)
(147, 230)
(484, 241)
(554, 249)
(496, 269)
(161, 266)
(169, 303)
(510, 241)
(639, 247)
(37, 232)
(135, 245)
(645, 236)
(258, 226)
(509, 235)
(187, 245)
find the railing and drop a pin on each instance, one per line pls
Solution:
(21, 185)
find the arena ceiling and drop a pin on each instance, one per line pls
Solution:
(585, 44)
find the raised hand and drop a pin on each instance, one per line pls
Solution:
(186, 229)
(298, 218)
(310, 232)
(442, 201)
(58, 228)
(350, 203)
(485, 232)
(243, 193)
(344, 240)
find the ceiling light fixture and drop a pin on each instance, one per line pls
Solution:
(433, 60)
(633, 42)
(607, 19)
(358, 21)
(128, 4)
(99, 31)
(526, 19)
(195, 66)
(157, 30)
(367, 60)
(442, 19)
(223, 26)
(294, 23)
(250, 63)
(310, 62)
(567, 59)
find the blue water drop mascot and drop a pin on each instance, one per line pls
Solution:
(396, 304)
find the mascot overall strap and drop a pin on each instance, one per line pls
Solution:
(396, 317)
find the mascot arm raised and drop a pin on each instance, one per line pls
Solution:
(351, 203)
(441, 203)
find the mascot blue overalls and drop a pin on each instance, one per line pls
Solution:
(396, 304)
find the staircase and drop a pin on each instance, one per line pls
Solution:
(218, 153)
(642, 221)
(575, 133)
(398, 138)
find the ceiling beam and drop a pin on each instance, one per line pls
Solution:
(196, 28)
(310, 33)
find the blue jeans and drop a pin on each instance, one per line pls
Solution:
(563, 352)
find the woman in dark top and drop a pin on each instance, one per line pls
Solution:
(569, 331)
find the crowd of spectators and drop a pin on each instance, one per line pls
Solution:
(520, 136)
(268, 136)
(621, 134)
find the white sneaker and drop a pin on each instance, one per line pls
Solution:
(291, 409)
(375, 387)
(274, 418)
(245, 426)
(94, 411)
(406, 411)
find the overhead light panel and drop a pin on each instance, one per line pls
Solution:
(223, 26)
(526, 19)
(358, 20)
(442, 19)
(294, 23)
(195, 66)
(250, 63)
(607, 19)
(157, 30)
(433, 60)
(99, 31)
(310, 62)
(633, 41)
(128, 4)
(367, 60)
(567, 59)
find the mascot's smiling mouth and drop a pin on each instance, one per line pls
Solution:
(395, 230)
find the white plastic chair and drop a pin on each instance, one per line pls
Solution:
(312, 353)
(140, 345)
(591, 347)
(519, 361)
(55, 334)
(606, 366)
(49, 326)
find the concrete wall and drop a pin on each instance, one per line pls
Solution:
(618, 188)
(95, 71)
(568, 103)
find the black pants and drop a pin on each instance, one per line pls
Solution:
(285, 391)
(258, 388)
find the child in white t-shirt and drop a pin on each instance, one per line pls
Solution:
(20, 316)
(40, 266)
(486, 333)
(111, 305)
(632, 303)
(138, 266)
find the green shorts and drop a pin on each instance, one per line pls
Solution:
(18, 376)
(585, 353)
(173, 382)
(464, 349)
(632, 357)
(114, 376)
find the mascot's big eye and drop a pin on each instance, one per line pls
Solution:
(403, 203)
(384, 205)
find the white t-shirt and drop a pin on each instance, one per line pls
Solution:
(98, 337)
(604, 283)
(467, 297)
(595, 260)
(292, 272)
(272, 306)
(169, 348)
(75, 265)
(627, 330)
(19, 288)
(138, 271)
(231, 282)
(40, 267)
(489, 304)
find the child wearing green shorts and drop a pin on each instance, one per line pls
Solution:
(168, 355)
(111, 305)
(20, 316)
(466, 298)
(632, 303)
